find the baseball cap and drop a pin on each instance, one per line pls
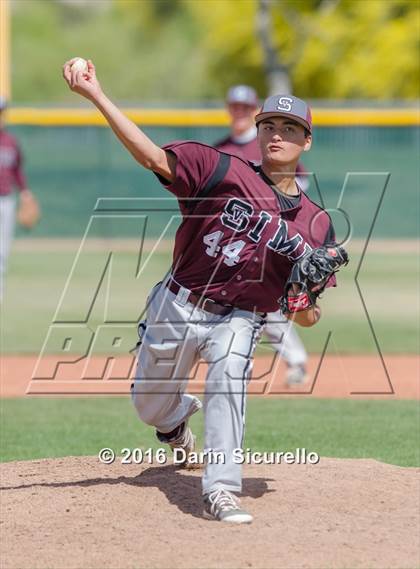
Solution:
(3, 103)
(242, 94)
(286, 106)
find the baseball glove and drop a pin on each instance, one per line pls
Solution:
(309, 276)
(29, 212)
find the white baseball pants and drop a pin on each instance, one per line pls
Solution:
(7, 229)
(285, 340)
(176, 337)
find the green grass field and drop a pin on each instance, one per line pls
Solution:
(36, 280)
(48, 427)
(51, 427)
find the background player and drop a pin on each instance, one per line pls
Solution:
(242, 105)
(232, 260)
(11, 177)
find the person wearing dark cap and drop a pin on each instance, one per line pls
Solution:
(242, 106)
(11, 178)
(244, 228)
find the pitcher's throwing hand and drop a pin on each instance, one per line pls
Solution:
(82, 81)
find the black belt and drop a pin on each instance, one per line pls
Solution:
(206, 304)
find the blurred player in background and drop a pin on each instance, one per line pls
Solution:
(242, 105)
(11, 178)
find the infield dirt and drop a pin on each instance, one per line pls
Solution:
(75, 513)
(354, 376)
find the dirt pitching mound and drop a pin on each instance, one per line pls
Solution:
(77, 513)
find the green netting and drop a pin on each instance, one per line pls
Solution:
(69, 168)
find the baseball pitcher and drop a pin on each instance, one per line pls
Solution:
(249, 239)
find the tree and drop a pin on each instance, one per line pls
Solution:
(323, 48)
(163, 51)
(277, 73)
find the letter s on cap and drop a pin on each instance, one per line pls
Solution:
(284, 104)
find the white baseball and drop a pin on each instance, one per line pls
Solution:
(79, 64)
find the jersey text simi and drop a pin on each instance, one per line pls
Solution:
(237, 216)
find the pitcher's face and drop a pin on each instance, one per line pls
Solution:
(282, 140)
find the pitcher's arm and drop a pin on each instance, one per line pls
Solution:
(144, 150)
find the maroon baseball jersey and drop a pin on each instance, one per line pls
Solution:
(11, 174)
(237, 245)
(249, 150)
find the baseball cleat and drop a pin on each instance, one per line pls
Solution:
(182, 442)
(223, 506)
(296, 375)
